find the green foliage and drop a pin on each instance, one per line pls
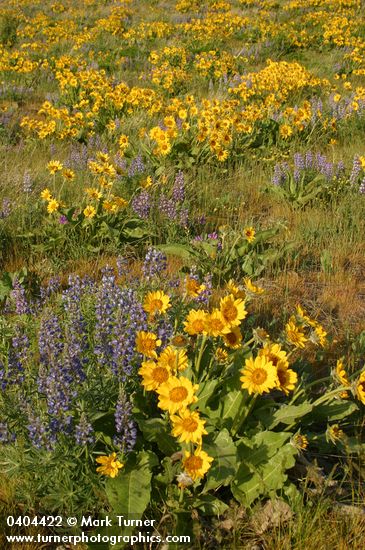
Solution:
(264, 460)
(8, 27)
(229, 254)
(129, 494)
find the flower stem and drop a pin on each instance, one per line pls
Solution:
(201, 351)
(243, 413)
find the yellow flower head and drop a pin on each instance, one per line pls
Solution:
(300, 442)
(249, 233)
(233, 310)
(341, 374)
(123, 141)
(103, 157)
(119, 202)
(193, 288)
(110, 465)
(275, 354)
(68, 174)
(179, 341)
(54, 166)
(175, 359)
(93, 193)
(222, 154)
(294, 334)
(287, 379)
(52, 206)
(236, 290)
(153, 374)
(251, 288)
(221, 355)
(259, 375)
(146, 343)
(318, 336)
(233, 338)
(147, 182)
(196, 465)
(334, 433)
(89, 211)
(176, 394)
(195, 322)
(260, 335)
(362, 162)
(285, 131)
(188, 426)
(156, 303)
(46, 195)
(215, 323)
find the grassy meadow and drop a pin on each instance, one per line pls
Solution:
(182, 271)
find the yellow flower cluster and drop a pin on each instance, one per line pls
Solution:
(301, 329)
(161, 373)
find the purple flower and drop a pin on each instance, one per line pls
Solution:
(27, 182)
(167, 207)
(78, 157)
(19, 296)
(129, 318)
(62, 219)
(299, 161)
(204, 296)
(59, 374)
(356, 169)
(184, 218)
(362, 187)
(5, 209)
(141, 204)
(125, 426)
(84, 432)
(53, 286)
(155, 264)
(37, 431)
(136, 166)
(178, 192)
(309, 159)
(5, 435)
(12, 373)
(120, 162)
(279, 175)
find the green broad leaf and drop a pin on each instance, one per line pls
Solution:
(289, 414)
(168, 474)
(129, 493)
(294, 496)
(224, 452)
(293, 187)
(258, 450)
(206, 391)
(104, 423)
(154, 430)
(135, 233)
(335, 410)
(247, 487)
(265, 235)
(261, 477)
(209, 505)
(182, 251)
(4, 290)
(183, 526)
(231, 405)
(69, 214)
